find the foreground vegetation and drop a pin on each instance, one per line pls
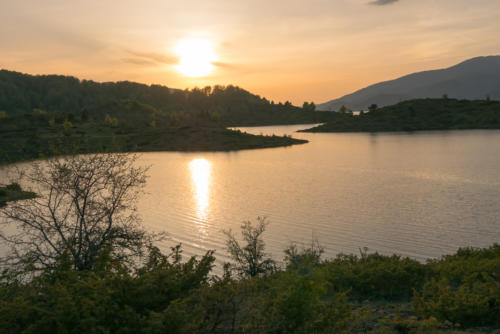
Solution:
(80, 262)
(371, 293)
(421, 114)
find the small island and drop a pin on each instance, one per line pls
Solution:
(416, 115)
(13, 192)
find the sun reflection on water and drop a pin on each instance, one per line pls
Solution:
(200, 176)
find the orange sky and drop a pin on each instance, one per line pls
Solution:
(284, 50)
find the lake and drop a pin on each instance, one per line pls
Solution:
(420, 195)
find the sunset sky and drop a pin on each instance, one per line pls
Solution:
(293, 50)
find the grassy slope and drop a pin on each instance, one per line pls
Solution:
(22, 145)
(31, 136)
(421, 114)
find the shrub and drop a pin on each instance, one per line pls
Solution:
(473, 303)
(466, 290)
(305, 259)
(376, 276)
(111, 121)
(289, 302)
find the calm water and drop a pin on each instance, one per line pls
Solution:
(420, 195)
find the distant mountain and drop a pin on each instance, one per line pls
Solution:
(475, 78)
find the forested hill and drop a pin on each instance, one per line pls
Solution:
(65, 95)
(42, 116)
(420, 114)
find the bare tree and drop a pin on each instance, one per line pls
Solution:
(86, 204)
(250, 260)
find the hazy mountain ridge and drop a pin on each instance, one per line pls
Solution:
(472, 79)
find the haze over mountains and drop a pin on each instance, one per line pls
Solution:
(475, 78)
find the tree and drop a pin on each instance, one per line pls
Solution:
(344, 110)
(85, 205)
(111, 121)
(250, 260)
(67, 125)
(372, 107)
(310, 256)
(309, 106)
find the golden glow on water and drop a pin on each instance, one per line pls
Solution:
(200, 176)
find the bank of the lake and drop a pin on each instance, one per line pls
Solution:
(92, 137)
(418, 115)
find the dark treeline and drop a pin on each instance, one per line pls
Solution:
(421, 114)
(230, 105)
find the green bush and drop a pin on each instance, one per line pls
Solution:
(376, 276)
(471, 304)
(288, 302)
(466, 290)
(109, 299)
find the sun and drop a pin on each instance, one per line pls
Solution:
(196, 57)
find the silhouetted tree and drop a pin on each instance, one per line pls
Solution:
(372, 107)
(84, 204)
(309, 106)
(250, 259)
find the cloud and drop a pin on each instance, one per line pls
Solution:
(138, 61)
(149, 58)
(382, 2)
(225, 65)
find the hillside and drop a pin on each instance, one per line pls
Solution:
(129, 126)
(70, 97)
(473, 79)
(421, 114)
(43, 116)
